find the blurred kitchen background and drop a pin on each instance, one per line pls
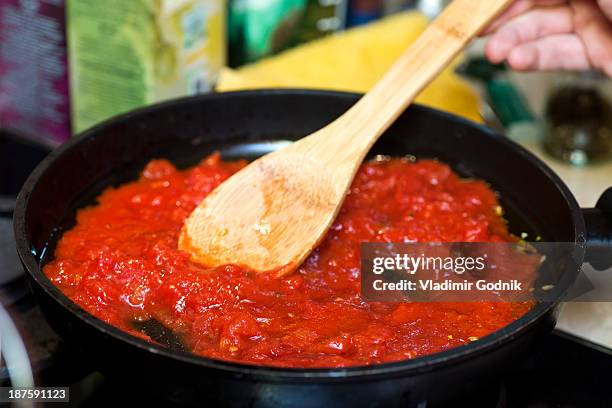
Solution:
(66, 65)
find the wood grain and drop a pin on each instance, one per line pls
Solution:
(274, 212)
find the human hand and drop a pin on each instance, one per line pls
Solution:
(553, 34)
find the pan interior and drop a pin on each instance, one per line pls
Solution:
(247, 125)
(519, 220)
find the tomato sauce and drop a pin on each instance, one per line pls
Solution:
(121, 264)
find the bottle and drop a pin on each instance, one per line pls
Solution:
(579, 119)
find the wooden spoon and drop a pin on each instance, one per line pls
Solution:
(274, 212)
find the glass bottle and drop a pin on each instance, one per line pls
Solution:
(579, 118)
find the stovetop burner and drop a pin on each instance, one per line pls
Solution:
(564, 372)
(12, 283)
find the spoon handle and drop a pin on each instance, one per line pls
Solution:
(435, 48)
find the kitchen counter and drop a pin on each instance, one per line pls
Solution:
(589, 320)
(587, 183)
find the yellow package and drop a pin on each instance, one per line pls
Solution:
(354, 61)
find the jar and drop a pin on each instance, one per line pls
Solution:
(578, 118)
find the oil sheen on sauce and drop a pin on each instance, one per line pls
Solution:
(121, 264)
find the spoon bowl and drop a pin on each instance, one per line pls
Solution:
(270, 215)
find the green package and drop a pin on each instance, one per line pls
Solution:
(261, 27)
(126, 54)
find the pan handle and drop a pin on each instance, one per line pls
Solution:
(598, 222)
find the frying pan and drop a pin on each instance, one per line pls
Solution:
(248, 124)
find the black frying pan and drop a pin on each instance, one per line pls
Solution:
(248, 124)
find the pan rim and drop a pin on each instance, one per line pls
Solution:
(400, 368)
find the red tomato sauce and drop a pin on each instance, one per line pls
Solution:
(121, 264)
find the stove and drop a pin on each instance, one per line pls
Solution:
(563, 372)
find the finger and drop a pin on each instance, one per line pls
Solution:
(528, 27)
(595, 29)
(560, 51)
(517, 8)
(606, 8)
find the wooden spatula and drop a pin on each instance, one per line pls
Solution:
(274, 212)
